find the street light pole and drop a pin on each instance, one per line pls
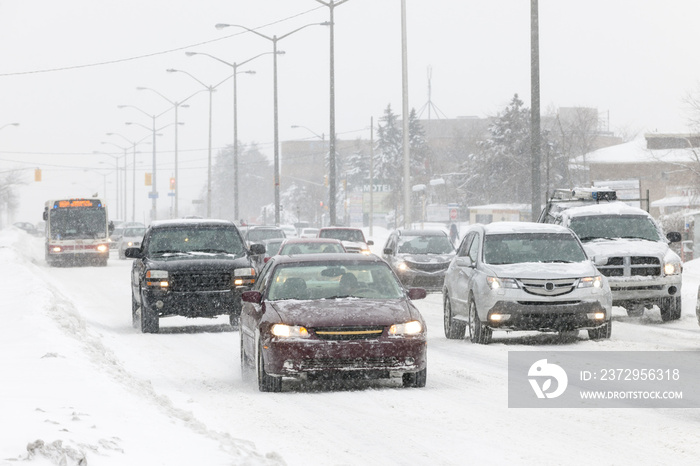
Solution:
(116, 175)
(331, 147)
(154, 191)
(176, 106)
(234, 66)
(274, 40)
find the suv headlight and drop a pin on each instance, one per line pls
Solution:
(591, 282)
(402, 266)
(157, 278)
(496, 283)
(672, 268)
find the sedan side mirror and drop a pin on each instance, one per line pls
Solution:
(388, 251)
(370, 243)
(417, 293)
(254, 297)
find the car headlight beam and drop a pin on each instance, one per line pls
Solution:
(413, 327)
(289, 331)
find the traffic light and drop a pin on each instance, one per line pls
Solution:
(148, 180)
(172, 184)
(37, 174)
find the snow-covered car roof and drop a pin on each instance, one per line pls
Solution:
(497, 228)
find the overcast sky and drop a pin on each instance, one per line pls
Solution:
(66, 65)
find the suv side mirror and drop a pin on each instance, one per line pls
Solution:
(133, 253)
(465, 261)
(388, 251)
(370, 243)
(257, 249)
(674, 236)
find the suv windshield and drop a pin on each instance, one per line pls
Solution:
(614, 226)
(532, 247)
(193, 239)
(425, 245)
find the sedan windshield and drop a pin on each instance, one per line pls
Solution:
(215, 240)
(316, 280)
(614, 226)
(532, 247)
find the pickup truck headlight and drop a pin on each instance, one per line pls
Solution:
(157, 278)
(244, 277)
(672, 268)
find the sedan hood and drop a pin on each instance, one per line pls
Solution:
(543, 270)
(344, 311)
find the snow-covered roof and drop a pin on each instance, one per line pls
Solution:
(518, 207)
(676, 201)
(636, 152)
(523, 227)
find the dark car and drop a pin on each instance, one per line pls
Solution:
(190, 268)
(419, 257)
(331, 316)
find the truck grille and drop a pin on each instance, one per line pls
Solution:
(548, 287)
(631, 266)
(200, 281)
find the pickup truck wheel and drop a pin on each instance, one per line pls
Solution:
(453, 329)
(478, 333)
(266, 383)
(149, 320)
(670, 308)
(601, 333)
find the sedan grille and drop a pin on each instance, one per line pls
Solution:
(200, 281)
(349, 363)
(349, 333)
(631, 266)
(548, 287)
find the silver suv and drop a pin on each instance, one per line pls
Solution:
(629, 248)
(524, 276)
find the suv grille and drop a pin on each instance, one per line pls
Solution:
(200, 281)
(631, 266)
(549, 287)
(428, 266)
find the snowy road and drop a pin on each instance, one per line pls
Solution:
(190, 374)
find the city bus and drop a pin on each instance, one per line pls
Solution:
(77, 232)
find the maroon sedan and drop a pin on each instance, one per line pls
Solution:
(331, 315)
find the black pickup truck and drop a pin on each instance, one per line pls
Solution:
(190, 268)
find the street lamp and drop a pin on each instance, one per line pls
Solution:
(234, 66)
(116, 173)
(331, 148)
(125, 149)
(133, 175)
(274, 40)
(154, 192)
(322, 137)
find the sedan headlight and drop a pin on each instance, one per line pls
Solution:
(413, 327)
(289, 331)
(672, 268)
(591, 282)
(157, 278)
(495, 283)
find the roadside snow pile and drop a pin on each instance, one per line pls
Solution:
(65, 398)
